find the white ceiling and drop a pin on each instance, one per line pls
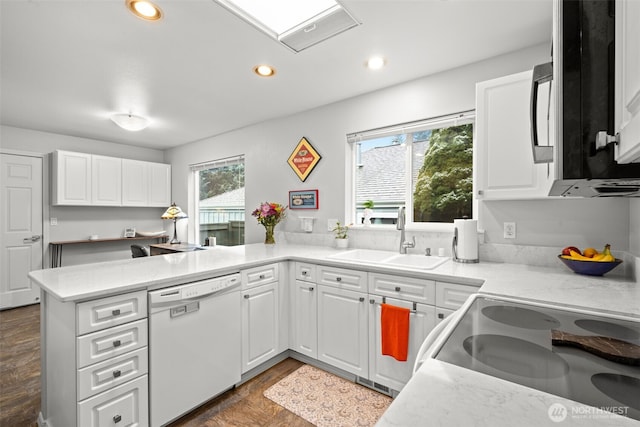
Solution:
(68, 65)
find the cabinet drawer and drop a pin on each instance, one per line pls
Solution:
(342, 278)
(111, 311)
(452, 295)
(101, 345)
(305, 272)
(408, 288)
(112, 372)
(259, 275)
(125, 405)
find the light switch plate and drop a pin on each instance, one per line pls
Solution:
(54, 221)
(509, 230)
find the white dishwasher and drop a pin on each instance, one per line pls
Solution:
(194, 345)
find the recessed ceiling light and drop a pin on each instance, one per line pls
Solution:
(264, 70)
(144, 9)
(130, 122)
(375, 62)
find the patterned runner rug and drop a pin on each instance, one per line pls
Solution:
(326, 400)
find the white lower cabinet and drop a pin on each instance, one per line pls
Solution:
(343, 329)
(386, 370)
(104, 382)
(260, 325)
(305, 324)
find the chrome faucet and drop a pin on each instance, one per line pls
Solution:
(400, 226)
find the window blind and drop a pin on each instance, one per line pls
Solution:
(455, 119)
(228, 161)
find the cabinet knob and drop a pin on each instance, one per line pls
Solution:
(372, 301)
(361, 299)
(115, 312)
(398, 289)
(117, 343)
(117, 373)
(262, 276)
(304, 273)
(311, 288)
(338, 279)
(246, 296)
(117, 419)
(440, 315)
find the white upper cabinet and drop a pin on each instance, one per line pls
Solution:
(627, 103)
(135, 183)
(503, 159)
(106, 181)
(159, 184)
(72, 178)
(80, 179)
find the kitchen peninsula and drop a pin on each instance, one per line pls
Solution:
(75, 285)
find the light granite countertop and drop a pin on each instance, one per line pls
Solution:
(440, 394)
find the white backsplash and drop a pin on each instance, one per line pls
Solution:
(389, 240)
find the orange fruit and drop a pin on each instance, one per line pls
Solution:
(589, 252)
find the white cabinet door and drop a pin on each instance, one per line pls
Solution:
(304, 322)
(260, 328)
(386, 370)
(71, 178)
(343, 335)
(106, 181)
(135, 186)
(627, 103)
(159, 184)
(504, 165)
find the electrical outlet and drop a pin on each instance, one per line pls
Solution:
(509, 230)
(331, 224)
(54, 221)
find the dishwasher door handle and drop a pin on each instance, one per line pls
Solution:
(181, 310)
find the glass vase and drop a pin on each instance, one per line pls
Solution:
(268, 237)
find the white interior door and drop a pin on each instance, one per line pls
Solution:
(21, 229)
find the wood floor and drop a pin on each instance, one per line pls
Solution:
(20, 384)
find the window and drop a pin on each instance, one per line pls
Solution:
(426, 166)
(220, 201)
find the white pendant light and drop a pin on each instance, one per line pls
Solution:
(130, 122)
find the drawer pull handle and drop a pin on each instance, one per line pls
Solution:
(116, 312)
(246, 296)
(440, 315)
(262, 276)
(117, 419)
(117, 343)
(361, 299)
(117, 373)
(304, 273)
(338, 279)
(398, 289)
(310, 288)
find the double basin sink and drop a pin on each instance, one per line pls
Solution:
(392, 259)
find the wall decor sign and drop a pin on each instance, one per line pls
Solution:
(304, 199)
(303, 159)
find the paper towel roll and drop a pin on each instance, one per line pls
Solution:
(465, 240)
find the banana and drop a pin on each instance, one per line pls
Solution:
(607, 256)
(576, 255)
(598, 257)
(604, 256)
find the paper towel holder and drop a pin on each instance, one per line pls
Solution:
(454, 247)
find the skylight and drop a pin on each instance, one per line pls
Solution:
(297, 24)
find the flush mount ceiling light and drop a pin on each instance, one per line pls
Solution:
(144, 9)
(130, 122)
(375, 62)
(294, 23)
(264, 70)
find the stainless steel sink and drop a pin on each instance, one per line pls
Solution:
(390, 258)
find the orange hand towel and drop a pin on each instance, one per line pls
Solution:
(394, 326)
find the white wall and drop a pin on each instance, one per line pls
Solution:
(268, 145)
(77, 223)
